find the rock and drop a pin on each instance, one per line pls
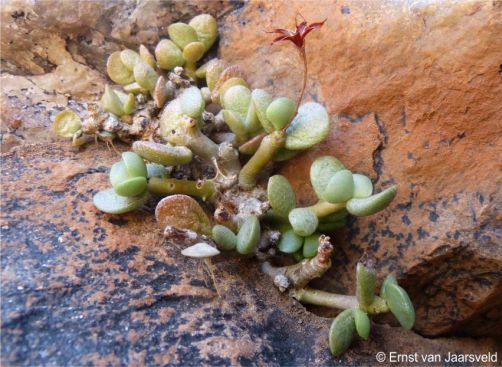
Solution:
(89, 30)
(54, 53)
(415, 100)
(413, 97)
(82, 287)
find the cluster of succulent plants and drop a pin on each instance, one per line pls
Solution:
(354, 320)
(206, 142)
(340, 193)
(128, 113)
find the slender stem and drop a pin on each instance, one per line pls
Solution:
(266, 151)
(321, 298)
(252, 145)
(169, 186)
(190, 136)
(190, 68)
(201, 145)
(303, 56)
(379, 305)
(187, 237)
(323, 208)
(333, 300)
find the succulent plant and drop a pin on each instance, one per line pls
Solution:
(109, 201)
(248, 236)
(355, 317)
(281, 195)
(118, 71)
(290, 242)
(66, 124)
(128, 177)
(341, 332)
(224, 237)
(184, 212)
(190, 159)
(163, 154)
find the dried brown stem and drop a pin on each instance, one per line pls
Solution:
(302, 273)
(186, 237)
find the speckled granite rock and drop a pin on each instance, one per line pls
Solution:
(413, 91)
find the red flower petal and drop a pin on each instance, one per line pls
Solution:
(298, 35)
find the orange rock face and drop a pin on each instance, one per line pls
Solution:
(415, 94)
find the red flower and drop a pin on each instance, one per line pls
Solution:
(297, 36)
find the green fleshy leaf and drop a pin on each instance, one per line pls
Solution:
(363, 187)
(236, 98)
(389, 279)
(145, 75)
(128, 102)
(311, 245)
(182, 34)
(303, 221)
(164, 154)
(371, 204)
(109, 202)
(365, 286)
(110, 102)
(340, 187)
(248, 236)
(131, 187)
(341, 332)
(321, 171)
(192, 103)
(193, 52)
(290, 242)
(281, 195)
(236, 124)
(168, 55)
(214, 69)
(117, 71)
(363, 324)
(206, 27)
(135, 164)
(309, 127)
(400, 305)
(129, 58)
(280, 111)
(261, 100)
(224, 237)
(66, 123)
(170, 119)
